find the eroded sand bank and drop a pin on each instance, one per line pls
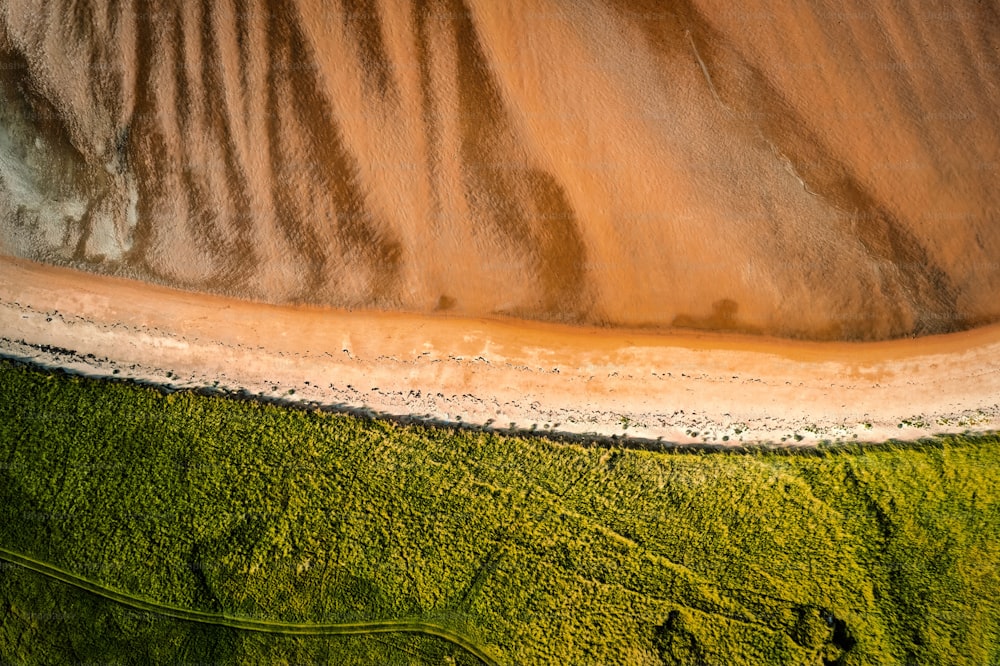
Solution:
(678, 388)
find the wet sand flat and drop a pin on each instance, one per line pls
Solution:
(821, 170)
(676, 387)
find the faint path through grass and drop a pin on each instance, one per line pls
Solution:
(249, 624)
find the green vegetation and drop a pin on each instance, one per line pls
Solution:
(46, 623)
(527, 550)
(247, 624)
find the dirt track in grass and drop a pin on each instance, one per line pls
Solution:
(418, 626)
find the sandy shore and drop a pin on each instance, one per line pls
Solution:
(824, 170)
(678, 388)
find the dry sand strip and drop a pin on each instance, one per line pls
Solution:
(669, 387)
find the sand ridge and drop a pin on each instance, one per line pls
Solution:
(671, 388)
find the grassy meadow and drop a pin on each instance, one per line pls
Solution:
(531, 551)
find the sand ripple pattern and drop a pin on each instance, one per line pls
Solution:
(826, 171)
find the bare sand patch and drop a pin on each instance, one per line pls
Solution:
(682, 388)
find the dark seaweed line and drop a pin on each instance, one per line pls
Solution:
(249, 624)
(586, 440)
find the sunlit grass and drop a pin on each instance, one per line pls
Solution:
(541, 552)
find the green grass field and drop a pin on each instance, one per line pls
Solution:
(135, 508)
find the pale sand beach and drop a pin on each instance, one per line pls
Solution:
(673, 388)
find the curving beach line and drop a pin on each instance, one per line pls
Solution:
(673, 387)
(243, 623)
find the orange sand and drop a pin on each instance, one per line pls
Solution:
(568, 379)
(821, 170)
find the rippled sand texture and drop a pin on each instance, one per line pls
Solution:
(826, 171)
